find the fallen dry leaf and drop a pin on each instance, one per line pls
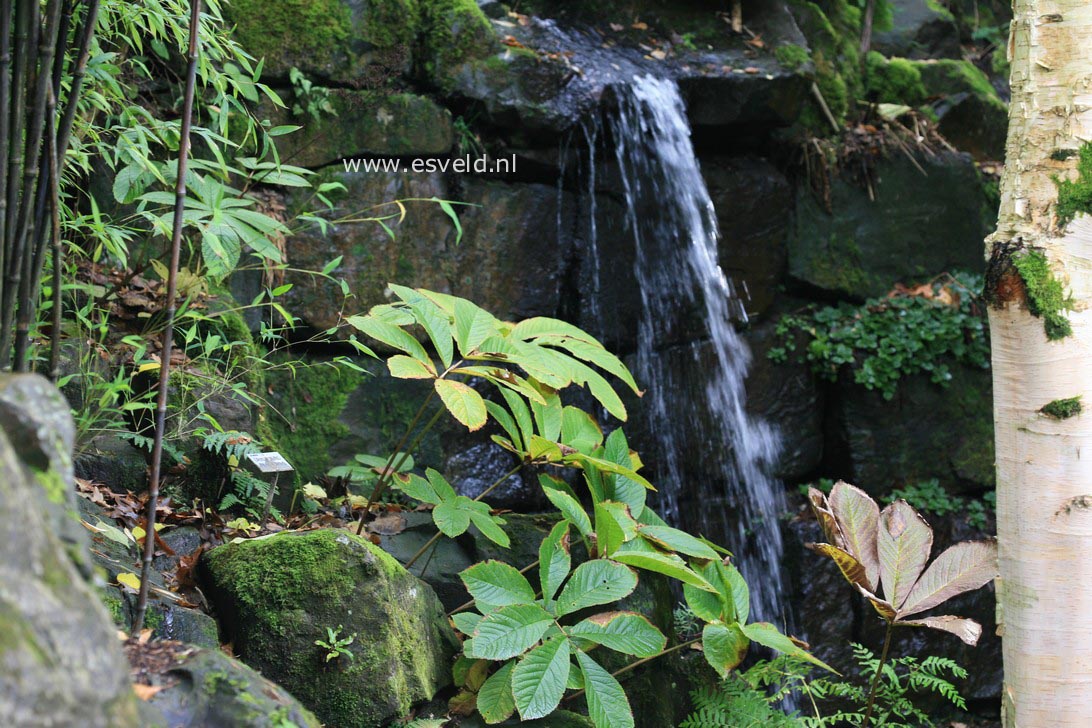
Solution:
(146, 692)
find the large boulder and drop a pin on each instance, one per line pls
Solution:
(277, 595)
(60, 661)
(970, 113)
(203, 688)
(919, 29)
(922, 222)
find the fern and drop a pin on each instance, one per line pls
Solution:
(735, 704)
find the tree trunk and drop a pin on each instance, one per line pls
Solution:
(1044, 485)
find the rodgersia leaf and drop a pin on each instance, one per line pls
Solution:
(961, 568)
(905, 540)
(539, 678)
(858, 519)
(965, 629)
(607, 703)
(495, 700)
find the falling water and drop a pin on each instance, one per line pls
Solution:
(689, 355)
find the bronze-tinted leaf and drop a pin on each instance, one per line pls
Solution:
(965, 629)
(905, 540)
(852, 569)
(961, 568)
(858, 517)
(885, 608)
(826, 518)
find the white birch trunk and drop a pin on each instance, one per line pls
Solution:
(1044, 465)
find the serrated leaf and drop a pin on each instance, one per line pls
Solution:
(965, 629)
(613, 527)
(539, 678)
(495, 700)
(490, 528)
(464, 404)
(466, 622)
(963, 567)
(766, 634)
(496, 584)
(429, 316)
(679, 541)
(554, 560)
(579, 431)
(388, 333)
(508, 631)
(643, 556)
(548, 417)
(852, 569)
(626, 632)
(405, 367)
(858, 519)
(607, 703)
(570, 507)
(593, 583)
(450, 518)
(724, 646)
(472, 326)
(416, 487)
(904, 542)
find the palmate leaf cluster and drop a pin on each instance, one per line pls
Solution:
(532, 638)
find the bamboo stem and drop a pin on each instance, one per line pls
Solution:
(5, 126)
(58, 244)
(168, 331)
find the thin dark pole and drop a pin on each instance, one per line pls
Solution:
(58, 244)
(168, 331)
(5, 127)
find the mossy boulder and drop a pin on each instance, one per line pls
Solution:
(927, 431)
(918, 225)
(60, 660)
(277, 595)
(366, 123)
(970, 113)
(208, 689)
(893, 80)
(832, 29)
(919, 29)
(454, 32)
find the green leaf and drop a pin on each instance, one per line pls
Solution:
(642, 556)
(708, 606)
(440, 484)
(389, 334)
(450, 518)
(496, 584)
(503, 418)
(539, 678)
(449, 210)
(613, 526)
(739, 591)
(464, 404)
(521, 413)
(597, 356)
(495, 700)
(543, 326)
(724, 646)
(404, 367)
(416, 487)
(466, 622)
(607, 703)
(570, 507)
(579, 431)
(593, 583)
(766, 634)
(554, 560)
(626, 632)
(431, 319)
(490, 527)
(508, 631)
(472, 326)
(548, 417)
(675, 540)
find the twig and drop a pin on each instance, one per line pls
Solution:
(168, 331)
(825, 108)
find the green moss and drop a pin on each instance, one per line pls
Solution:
(949, 76)
(292, 29)
(455, 31)
(1075, 196)
(53, 485)
(832, 28)
(893, 80)
(114, 604)
(791, 56)
(17, 635)
(1063, 409)
(1046, 297)
(309, 399)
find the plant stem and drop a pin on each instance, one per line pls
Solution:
(642, 661)
(487, 491)
(168, 331)
(876, 680)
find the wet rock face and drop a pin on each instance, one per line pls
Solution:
(916, 227)
(60, 660)
(277, 595)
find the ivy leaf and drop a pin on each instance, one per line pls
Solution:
(539, 678)
(496, 584)
(464, 404)
(607, 703)
(596, 582)
(495, 700)
(508, 631)
(626, 632)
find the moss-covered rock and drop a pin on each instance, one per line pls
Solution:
(832, 28)
(969, 111)
(919, 29)
(366, 123)
(277, 595)
(893, 80)
(863, 246)
(60, 660)
(208, 689)
(454, 32)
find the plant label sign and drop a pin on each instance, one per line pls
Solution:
(269, 462)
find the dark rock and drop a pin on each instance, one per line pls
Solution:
(921, 29)
(440, 567)
(560, 719)
(211, 690)
(61, 661)
(970, 113)
(277, 595)
(110, 460)
(366, 123)
(772, 96)
(919, 225)
(473, 464)
(926, 431)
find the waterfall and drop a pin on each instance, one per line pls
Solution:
(690, 358)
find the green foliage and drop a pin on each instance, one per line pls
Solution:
(734, 703)
(886, 339)
(893, 80)
(296, 29)
(308, 99)
(1075, 196)
(1046, 296)
(930, 497)
(336, 645)
(791, 56)
(1063, 409)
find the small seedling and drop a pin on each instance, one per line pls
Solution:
(335, 645)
